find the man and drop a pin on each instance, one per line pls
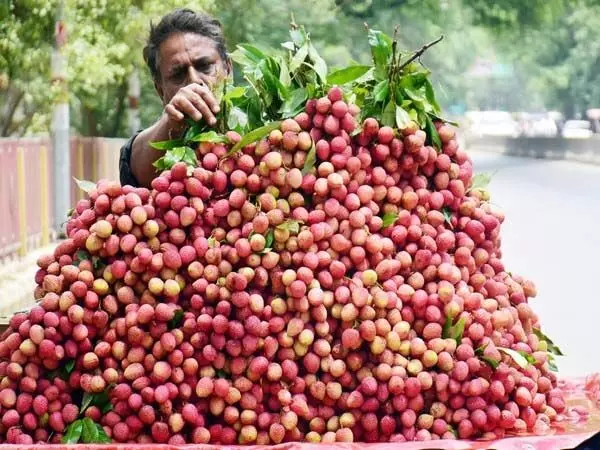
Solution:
(186, 55)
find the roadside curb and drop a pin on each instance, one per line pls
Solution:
(585, 151)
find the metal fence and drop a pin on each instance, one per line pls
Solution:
(26, 189)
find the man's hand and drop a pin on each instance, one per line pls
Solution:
(195, 101)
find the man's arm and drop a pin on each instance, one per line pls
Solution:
(143, 155)
(195, 101)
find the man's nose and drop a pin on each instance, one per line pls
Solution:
(194, 76)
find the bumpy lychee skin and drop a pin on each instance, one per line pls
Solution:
(339, 279)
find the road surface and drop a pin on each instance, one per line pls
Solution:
(551, 235)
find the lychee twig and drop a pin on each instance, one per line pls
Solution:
(419, 52)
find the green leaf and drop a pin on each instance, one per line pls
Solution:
(236, 92)
(298, 36)
(458, 330)
(381, 91)
(414, 116)
(490, 362)
(447, 329)
(454, 331)
(175, 155)
(254, 136)
(516, 356)
(288, 45)
(69, 366)
(298, 58)
(294, 103)
(85, 185)
(293, 226)
(237, 120)
(270, 74)
(98, 263)
(269, 236)
(220, 373)
(166, 145)
(246, 53)
(193, 129)
(432, 135)
(284, 73)
(552, 348)
(90, 431)
(177, 319)
(99, 399)
(416, 95)
(552, 363)
(87, 401)
(388, 117)
(481, 181)
(381, 50)
(389, 218)
(347, 74)
(73, 432)
(210, 136)
(528, 356)
(106, 408)
(80, 255)
(319, 63)
(430, 96)
(311, 159)
(189, 157)
(402, 118)
(102, 436)
(441, 119)
(447, 216)
(356, 131)
(479, 350)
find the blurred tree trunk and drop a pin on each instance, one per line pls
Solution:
(11, 99)
(91, 124)
(120, 113)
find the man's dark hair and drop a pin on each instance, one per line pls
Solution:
(182, 21)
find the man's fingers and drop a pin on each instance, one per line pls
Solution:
(207, 95)
(184, 105)
(201, 106)
(174, 113)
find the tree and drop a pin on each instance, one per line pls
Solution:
(561, 61)
(26, 37)
(105, 40)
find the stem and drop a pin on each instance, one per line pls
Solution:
(419, 52)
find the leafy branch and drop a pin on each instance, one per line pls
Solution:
(420, 52)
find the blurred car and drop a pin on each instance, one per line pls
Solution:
(577, 129)
(538, 125)
(494, 123)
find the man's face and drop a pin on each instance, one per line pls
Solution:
(186, 58)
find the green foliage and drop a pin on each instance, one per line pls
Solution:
(86, 431)
(104, 44)
(453, 330)
(388, 219)
(548, 42)
(26, 36)
(397, 90)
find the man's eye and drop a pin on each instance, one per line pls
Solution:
(178, 75)
(206, 68)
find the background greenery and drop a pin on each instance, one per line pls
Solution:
(539, 54)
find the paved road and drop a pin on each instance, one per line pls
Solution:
(552, 236)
